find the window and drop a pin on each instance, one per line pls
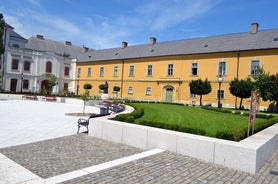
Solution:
(26, 66)
(25, 84)
(131, 70)
(48, 67)
(15, 45)
(192, 95)
(149, 70)
(220, 93)
(116, 70)
(15, 64)
(78, 72)
(66, 86)
(222, 68)
(101, 71)
(148, 90)
(89, 72)
(170, 70)
(130, 90)
(194, 69)
(255, 65)
(66, 71)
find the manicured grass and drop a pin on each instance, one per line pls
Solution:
(194, 117)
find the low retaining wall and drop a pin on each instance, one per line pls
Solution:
(248, 155)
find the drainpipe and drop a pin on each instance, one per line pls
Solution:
(122, 78)
(237, 71)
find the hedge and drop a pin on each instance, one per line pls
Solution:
(178, 128)
(241, 133)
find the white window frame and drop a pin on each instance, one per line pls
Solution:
(222, 94)
(170, 69)
(220, 71)
(130, 90)
(89, 72)
(150, 70)
(253, 70)
(116, 71)
(131, 70)
(148, 91)
(197, 68)
(192, 95)
(101, 71)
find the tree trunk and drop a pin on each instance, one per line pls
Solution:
(84, 107)
(276, 106)
(200, 100)
(240, 103)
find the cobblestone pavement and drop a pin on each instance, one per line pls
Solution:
(54, 157)
(61, 155)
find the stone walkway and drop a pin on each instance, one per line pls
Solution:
(78, 158)
(58, 156)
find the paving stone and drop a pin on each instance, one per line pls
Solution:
(57, 156)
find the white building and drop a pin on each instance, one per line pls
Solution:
(27, 64)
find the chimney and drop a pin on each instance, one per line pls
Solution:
(68, 43)
(85, 49)
(254, 28)
(152, 40)
(40, 37)
(124, 45)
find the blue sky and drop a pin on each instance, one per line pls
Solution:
(102, 24)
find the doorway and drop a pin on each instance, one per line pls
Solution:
(13, 85)
(169, 94)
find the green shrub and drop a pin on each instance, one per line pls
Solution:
(227, 135)
(240, 134)
(179, 128)
(130, 119)
(121, 117)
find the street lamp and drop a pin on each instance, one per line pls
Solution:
(220, 80)
(21, 82)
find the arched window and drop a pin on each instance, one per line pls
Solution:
(48, 67)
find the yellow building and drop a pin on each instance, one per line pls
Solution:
(162, 71)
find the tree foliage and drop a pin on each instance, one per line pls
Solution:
(267, 85)
(241, 88)
(85, 97)
(2, 27)
(87, 86)
(200, 88)
(52, 82)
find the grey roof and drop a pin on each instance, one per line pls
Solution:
(264, 39)
(60, 48)
(17, 36)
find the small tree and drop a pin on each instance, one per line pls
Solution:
(200, 88)
(116, 89)
(101, 86)
(85, 97)
(87, 86)
(51, 82)
(241, 89)
(267, 85)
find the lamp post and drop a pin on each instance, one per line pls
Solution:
(220, 80)
(21, 82)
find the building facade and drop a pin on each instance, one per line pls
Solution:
(27, 63)
(162, 71)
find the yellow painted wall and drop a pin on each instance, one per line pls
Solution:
(159, 81)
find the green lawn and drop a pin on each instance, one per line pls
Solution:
(195, 117)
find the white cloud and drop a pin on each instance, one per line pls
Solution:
(167, 14)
